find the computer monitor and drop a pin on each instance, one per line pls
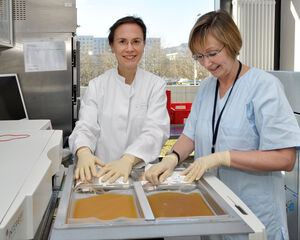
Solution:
(12, 106)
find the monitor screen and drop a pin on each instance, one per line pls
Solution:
(12, 106)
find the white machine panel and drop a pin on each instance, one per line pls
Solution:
(27, 160)
(26, 124)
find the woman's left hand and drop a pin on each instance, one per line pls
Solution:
(159, 172)
(200, 165)
(119, 168)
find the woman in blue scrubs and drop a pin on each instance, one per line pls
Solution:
(240, 122)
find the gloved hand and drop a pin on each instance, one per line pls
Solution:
(116, 169)
(159, 172)
(200, 165)
(86, 164)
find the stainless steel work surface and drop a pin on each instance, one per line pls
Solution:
(231, 216)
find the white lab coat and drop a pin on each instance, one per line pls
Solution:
(117, 118)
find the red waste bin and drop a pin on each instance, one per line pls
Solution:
(180, 112)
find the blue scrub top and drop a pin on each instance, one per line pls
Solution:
(257, 117)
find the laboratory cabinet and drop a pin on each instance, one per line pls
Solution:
(292, 189)
(291, 83)
(45, 32)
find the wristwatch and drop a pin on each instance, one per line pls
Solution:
(176, 153)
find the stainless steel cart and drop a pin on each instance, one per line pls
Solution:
(232, 216)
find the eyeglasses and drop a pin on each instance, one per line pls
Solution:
(134, 43)
(199, 57)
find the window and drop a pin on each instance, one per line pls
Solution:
(168, 24)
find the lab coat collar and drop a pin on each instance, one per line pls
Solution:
(118, 76)
(122, 79)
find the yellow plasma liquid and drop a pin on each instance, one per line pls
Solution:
(107, 206)
(173, 204)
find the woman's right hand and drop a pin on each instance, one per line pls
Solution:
(159, 172)
(86, 164)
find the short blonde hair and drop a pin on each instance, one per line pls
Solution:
(221, 26)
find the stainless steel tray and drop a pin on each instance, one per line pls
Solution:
(228, 218)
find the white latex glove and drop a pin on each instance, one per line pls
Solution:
(119, 168)
(200, 165)
(86, 164)
(159, 172)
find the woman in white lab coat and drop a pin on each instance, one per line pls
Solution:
(123, 117)
(240, 122)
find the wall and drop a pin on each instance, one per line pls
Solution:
(183, 93)
(290, 35)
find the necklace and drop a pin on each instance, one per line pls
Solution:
(215, 131)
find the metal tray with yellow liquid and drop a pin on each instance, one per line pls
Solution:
(157, 211)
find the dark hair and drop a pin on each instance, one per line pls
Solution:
(128, 19)
(220, 25)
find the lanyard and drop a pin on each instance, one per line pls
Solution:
(215, 131)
